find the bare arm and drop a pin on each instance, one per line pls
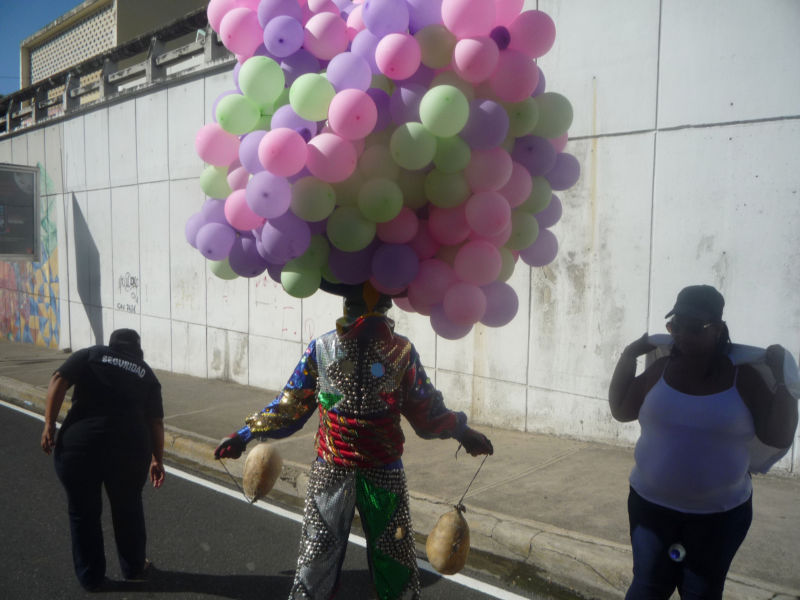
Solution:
(626, 392)
(157, 473)
(56, 392)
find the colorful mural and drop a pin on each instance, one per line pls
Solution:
(29, 305)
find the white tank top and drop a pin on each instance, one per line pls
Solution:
(692, 455)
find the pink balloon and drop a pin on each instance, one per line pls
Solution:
(318, 6)
(398, 55)
(218, 9)
(496, 240)
(403, 304)
(475, 59)
(423, 243)
(478, 262)
(352, 114)
(506, 11)
(241, 32)
(430, 284)
(560, 142)
(468, 18)
(487, 213)
(488, 169)
(355, 22)
(464, 303)
(543, 251)
(238, 177)
(448, 226)
(501, 304)
(519, 185)
(216, 146)
(331, 158)
(283, 152)
(239, 214)
(532, 33)
(515, 77)
(399, 230)
(444, 327)
(325, 35)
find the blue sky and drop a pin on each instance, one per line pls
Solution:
(18, 20)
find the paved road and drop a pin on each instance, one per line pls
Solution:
(205, 543)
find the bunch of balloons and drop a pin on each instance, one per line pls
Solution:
(408, 143)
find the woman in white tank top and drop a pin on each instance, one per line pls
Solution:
(690, 503)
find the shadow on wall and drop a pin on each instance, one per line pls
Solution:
(87, 270)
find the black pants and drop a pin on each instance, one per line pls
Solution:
(84, 470)
(710, 541)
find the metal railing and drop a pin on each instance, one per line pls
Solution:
(38, 103)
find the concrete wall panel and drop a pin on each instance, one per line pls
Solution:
(36, 156)
(156, 336)
(214, 86)
(101, 277)
(721, 61)
(122, 149)
(19, 150)
(126, 276)
(152, 156)
(189, 345)
(74, 156)
(273, 313)
(154, 248)
(456, 389)
(227, 302)
(228, 355)
(54, 150)
(186, 108)
(272, 362)
(187, 265)
(97, 146)
(5, 150)
(499, 403)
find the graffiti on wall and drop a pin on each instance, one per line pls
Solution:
(29, 306)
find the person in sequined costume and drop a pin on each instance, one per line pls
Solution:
(360, 378)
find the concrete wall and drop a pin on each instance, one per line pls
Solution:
(686, 121)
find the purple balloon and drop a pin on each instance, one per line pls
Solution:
(286, 117)
(318, 227)
(236, 68)
(541, 85)
(283, 35)
(535, 154)
(422, 76)
(193, 224)
(444, 327)
(274, 271)
(565, 172)
(422, 13)
(352, 267)
(382, 17)
(248, 151)
(244, 258)
(269, 9)
(285, 237)
(395, 265)
(551, 214)
(299, 63)
(364, 45)
(214, 240)
(487, 125)
(348, 70)
(501, 304)
(214, 211)
(404, 103)
(268, 195)
(543, 251)
(262, 51)
(501, 36)
(382, 102)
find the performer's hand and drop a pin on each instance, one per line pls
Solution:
(475, 442)
(157, 473)
(230, 447)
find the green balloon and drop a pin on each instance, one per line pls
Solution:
(349, 230)
(540, 195)
(524, 230)
(412, 184)
(214, 182)
(382, 82)
(444, 110)
(452, 154)
(264, 122)
(237, 114)
(312, 200)
(347, 190)
(380, 200)
(222, 269)
(412, 146)
(282, 100)
(310, 96)
(300, 280)
(555, 115)
(316, 255)
(452, 78)
(448, 253)
(446, 189)
(509, 262)
(522, 117)
(376, 161)
(327, 275)
(437, 44)
(261, 79)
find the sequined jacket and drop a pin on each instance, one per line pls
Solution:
(360, 378)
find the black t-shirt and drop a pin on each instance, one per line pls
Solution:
(115, 394)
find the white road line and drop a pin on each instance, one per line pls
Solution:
(463, 580)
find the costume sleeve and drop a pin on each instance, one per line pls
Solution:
(290, 410)
(424, 407)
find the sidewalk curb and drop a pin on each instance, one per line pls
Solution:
(581, 564)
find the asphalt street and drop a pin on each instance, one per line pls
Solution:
(204, 542)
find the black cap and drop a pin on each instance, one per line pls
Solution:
(700, 302)
(126, 340)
